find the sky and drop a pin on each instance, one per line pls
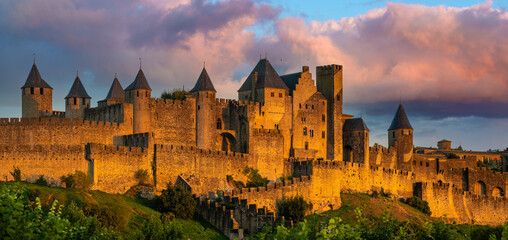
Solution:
(447, 61)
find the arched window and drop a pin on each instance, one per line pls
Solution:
(219, 123)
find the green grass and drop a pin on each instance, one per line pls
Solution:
(132, 209)
(372, 208)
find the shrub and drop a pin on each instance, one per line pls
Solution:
(41, 181)
(83, 181)
(254, 179)
(68, 180)
(284, 178)
(175, 94)
(16, 174)
(293, 208)
(177, 201)
(237, 184)
(110, 216)
(419, 204)
(142, 176)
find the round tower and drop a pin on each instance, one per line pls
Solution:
(36, 96)
(400, 136)
(138, 93)
(77, 100)
(204, 92)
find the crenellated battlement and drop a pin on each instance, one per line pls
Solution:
(160, 148)
(188, 101)
(96, 148)
(266, 132)
(328, 69)
(55, 122)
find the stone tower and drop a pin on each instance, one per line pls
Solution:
(204, 92)
(356, 141)
(115, 94)
(77, 100)
(263, 85)
(138, 93)
(36, 96)
(329, 83)
(400, 136)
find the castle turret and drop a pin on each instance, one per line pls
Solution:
(400, 135)
(138, 93)
(115, 94)
(356, 141)
(263, 85)
(77, 100)
(329, 83)
(36, 96)
(204, 92)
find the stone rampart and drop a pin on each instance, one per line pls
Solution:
(53, 161)
(113, 167)
(58, 131)
(173, 121)
(212, 167)
(448, 200)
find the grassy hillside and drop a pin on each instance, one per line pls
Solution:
(124, 213)
(373, 208)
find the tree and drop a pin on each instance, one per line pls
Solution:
(175, 94)
(177, 201)
(419, 204)
(16, 174)
(293, 208)
(254, 179)
(142, 176)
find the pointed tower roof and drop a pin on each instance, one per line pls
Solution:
(355, 124)
(267, 77)
(204, 83)
(34, 79)
(400, 120)
(116, 91)
(77, 90)
(139, 83)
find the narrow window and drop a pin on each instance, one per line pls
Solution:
(312, 106)
(323, 134)
(393, 134)
(273, 94)
(311, 133)
(83, 99)
(427, 164)
(219, 124)
(146, 94)
(198, 107)
(280, 94)
(276, 126)
(323, 118)
(306, 145)
(211, 107)
(305, 131)
(42, 91)
(300, 106)
(338, 97)
(306, 106)
(206, 95)
(31, 90)
(75, 101)
(137, 93)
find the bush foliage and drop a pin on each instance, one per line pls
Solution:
(254, 179)
(16, 174)
(78, 179)
(142, 176)
(41, 181)
(293, 208)
(175, 94)
(177, 201)
(419, 204)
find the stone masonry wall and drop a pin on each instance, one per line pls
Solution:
(34, 160)
(58, 131)
(174, 121)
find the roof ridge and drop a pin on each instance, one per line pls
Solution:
(77, 90)
(204, 83)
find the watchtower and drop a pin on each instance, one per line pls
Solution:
(138, 93)
(36, 96)
(77, 100)
(329, 83)
(400, 135)
(204, 92)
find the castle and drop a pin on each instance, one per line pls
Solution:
(281, 125)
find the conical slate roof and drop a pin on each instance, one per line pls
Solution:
(267, 77)
(355, 124)
(204, 83)
(400, 120)
(34, 79)
(77, 90)
(116, 91)
(139, 83)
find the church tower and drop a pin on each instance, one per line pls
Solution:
(400, 136)
(204, 92)
(77, 100)
(138, 93)
(329, 83)
(36, 96)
